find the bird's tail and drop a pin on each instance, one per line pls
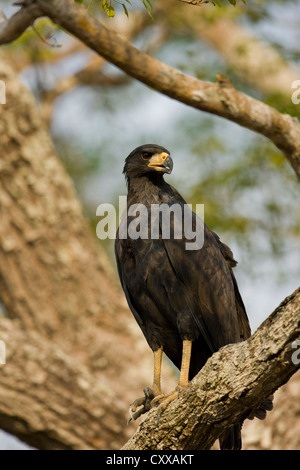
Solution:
(231, 438)
(260, 411)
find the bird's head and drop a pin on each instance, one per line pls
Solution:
(149, 159)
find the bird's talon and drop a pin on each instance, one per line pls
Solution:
(162, 401)
(156, 400)
(144, 403)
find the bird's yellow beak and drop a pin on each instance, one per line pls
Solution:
(161, 162)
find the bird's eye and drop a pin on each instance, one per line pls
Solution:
(146, 155)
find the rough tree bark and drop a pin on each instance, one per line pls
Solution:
(61, 297)
(52, 401)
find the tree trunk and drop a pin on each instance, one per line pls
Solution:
(61, 298)
(51, 401)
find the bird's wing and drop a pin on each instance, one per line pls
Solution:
(209, 289)
(245, 330)
(119, 254)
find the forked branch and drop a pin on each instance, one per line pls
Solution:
(220, 98)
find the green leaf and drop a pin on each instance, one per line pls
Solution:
(150, 5)
(147, 4)
(110, 12)
(125, 10)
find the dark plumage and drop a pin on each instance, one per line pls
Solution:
(177, 296)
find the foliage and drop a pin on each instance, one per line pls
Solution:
(214, 2)
(109, 6)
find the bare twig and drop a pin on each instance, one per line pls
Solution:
(3, 17)
(15, 26)
(194, 2)
(46, 41)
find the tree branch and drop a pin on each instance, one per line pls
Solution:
(232, 382)
(194, 2)
(221, 98)
(92, 74)
(15, 26)
(256, 62)
(51, 401)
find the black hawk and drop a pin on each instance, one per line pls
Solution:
(185, 300)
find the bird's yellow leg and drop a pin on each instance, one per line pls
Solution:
(185, 363)
(154, 396)
(143, 404)
(157, 371)
(164, 400)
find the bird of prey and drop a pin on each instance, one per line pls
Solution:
(185, 298)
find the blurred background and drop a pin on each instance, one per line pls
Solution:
(97, 115)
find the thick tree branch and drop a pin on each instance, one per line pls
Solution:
(194, 2)
(92, 74)
(13, 28)
(220, 98)
(51, 401)
(232, 382)
(255, 62)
